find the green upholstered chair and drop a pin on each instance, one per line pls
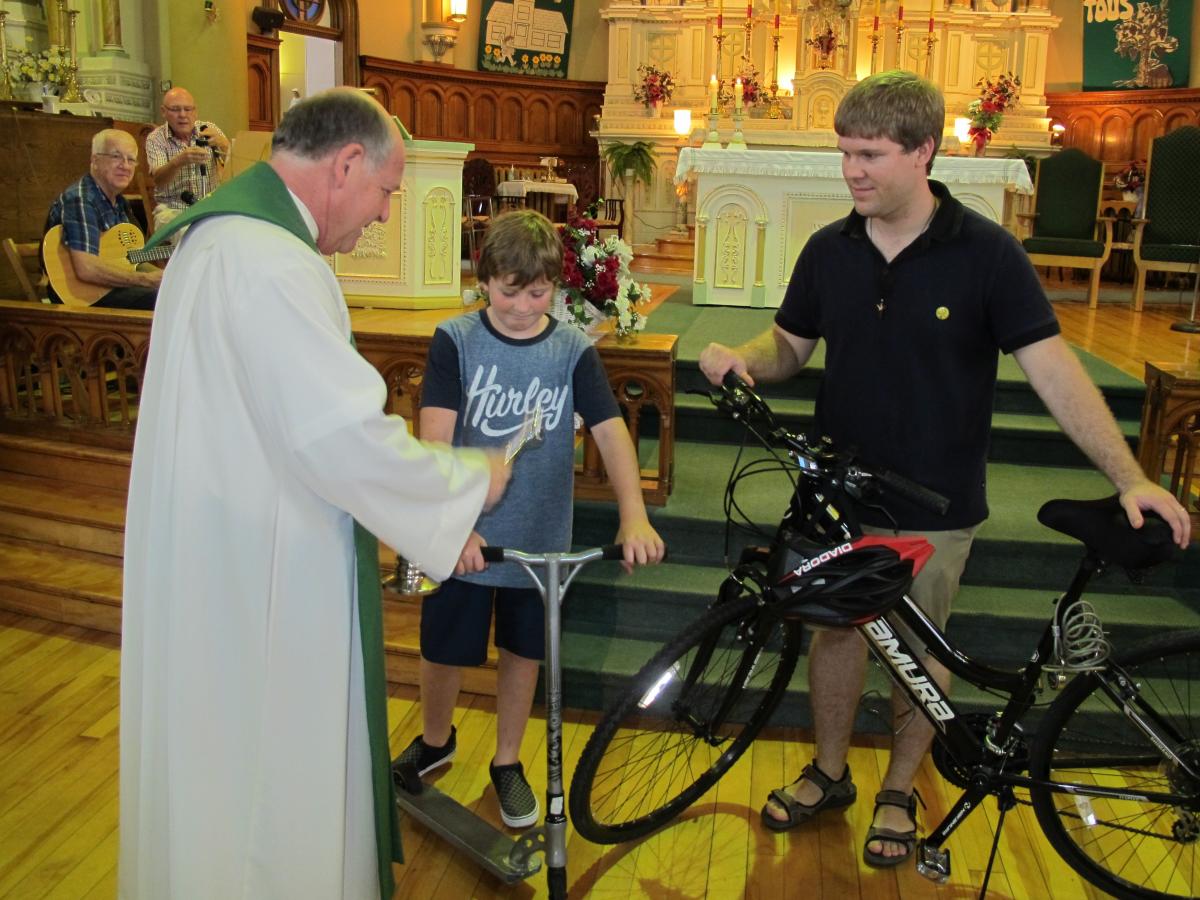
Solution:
(1167, 239)
(1066, 227)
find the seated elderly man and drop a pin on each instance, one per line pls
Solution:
(90, 207)
(185, 156)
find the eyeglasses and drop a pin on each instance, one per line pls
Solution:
(132, 160)
(180, 109)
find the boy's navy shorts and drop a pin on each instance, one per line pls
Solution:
(455, 620)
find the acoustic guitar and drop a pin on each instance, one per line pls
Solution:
(121, 245)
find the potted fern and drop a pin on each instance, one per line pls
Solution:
(634, 161)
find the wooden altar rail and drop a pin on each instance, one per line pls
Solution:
(75, 374)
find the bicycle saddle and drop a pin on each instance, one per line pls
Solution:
(1104, 529)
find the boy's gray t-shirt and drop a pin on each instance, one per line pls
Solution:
(492, 381)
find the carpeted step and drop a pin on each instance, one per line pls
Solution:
(66, 461)
(1016, 437)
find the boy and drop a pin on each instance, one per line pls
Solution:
(485, 371)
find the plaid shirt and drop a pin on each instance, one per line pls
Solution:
(161, 147)
(85, 213)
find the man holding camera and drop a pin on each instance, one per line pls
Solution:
(185, 156)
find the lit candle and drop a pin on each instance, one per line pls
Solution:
(720, 9)
(777, 2)
(749, 10)
(900, 15)
(737, 94)
(876, 26)
(712, 93)
(932, 4)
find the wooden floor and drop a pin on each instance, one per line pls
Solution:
(58, 772)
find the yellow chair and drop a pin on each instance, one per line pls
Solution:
(1065, 221)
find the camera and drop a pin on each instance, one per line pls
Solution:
(201, 139)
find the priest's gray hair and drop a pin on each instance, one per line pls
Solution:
(328, 121)
(896, 105)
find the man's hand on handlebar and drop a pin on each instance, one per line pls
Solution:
(717, 359)
(642, 545)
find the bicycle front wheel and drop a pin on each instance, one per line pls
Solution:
(685, 719)
(1126, 846)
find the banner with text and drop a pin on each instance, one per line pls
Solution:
(1134, 45)
(528, 37)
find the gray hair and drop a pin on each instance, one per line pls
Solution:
(101, 140)
(896, 105)
(328, 121)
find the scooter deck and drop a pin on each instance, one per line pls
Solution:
(511, 860)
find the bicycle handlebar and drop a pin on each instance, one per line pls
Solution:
(500, 554)
(739, 400)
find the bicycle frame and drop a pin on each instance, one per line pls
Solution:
(894, 652)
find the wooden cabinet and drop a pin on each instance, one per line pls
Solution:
(262, 61)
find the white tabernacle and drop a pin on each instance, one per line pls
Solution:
(755, 209)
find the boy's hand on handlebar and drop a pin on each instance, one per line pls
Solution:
(471, 559)
(642, 544)
(717, 359)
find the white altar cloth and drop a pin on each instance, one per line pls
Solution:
(755, 209)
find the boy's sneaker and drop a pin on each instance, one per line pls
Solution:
(518, 806)
(424, 757)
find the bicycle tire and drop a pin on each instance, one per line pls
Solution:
(1127, 847)
(642, 766)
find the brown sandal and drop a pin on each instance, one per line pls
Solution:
(906, 802)
(834, 795)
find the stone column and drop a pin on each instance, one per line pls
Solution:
(110, 19)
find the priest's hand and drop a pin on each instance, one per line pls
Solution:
(501, 472)
(471, 558)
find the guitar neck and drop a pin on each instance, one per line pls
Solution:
(163, 251)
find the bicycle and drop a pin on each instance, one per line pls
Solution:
(1112, 768)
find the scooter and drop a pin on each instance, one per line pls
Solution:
(515, 859)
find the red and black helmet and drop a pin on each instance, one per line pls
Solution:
(848, 584)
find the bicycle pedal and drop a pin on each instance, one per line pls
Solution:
(933, 863)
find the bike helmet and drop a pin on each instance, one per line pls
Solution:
(848, 584)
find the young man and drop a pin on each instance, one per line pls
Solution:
(185, 156)
(93, 205)
(914, 295)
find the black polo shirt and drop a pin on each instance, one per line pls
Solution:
(911, 388)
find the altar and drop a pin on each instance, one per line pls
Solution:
(755, 209)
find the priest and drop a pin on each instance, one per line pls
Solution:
(254, 737)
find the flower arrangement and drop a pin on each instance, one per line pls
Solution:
(596, 284)
(986, 113)
(753, 91)
(1132, 178)
(657, 86)
(51, 65)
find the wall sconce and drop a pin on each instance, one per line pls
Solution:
(210, 10)
(1057, 131)
(683, 122)
(439, 43)
(458, 11)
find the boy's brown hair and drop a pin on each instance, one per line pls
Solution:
(521, 246)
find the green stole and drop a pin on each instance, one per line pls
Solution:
(259, 193)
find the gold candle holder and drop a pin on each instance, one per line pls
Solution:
(720, 39)
(738, 141)
(929, 42)
(773, 111)
(71, 94)
(874, 52)
(6, 92)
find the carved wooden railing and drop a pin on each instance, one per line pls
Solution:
(76, 374)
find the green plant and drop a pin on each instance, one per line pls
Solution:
(636, 158)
